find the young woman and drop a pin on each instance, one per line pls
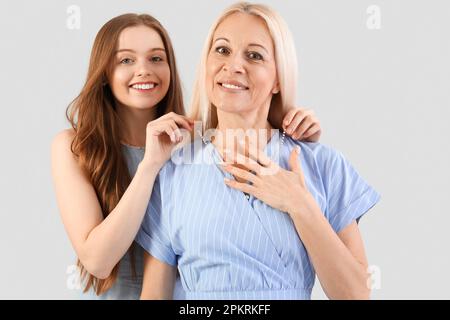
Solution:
(256, 229)
(125, 122)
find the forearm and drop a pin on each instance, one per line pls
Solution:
(341, 275)
(158, 279)
(107, 243)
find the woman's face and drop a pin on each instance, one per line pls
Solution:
(240, 70)
(140, 74)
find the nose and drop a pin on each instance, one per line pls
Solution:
(143, 69)
(234, 64)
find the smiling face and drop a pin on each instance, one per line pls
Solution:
(240, 70)
(140, 73)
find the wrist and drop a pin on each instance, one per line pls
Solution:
(304, 206)
(148, 167)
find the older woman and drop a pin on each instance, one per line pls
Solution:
(280, 211)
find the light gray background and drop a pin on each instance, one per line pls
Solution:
(382, 97)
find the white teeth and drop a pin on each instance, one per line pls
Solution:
(146, 86)
(231, 86)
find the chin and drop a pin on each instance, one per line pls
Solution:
(231, 106)
(141, 106)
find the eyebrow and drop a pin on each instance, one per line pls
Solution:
(250, 44)
(131, 50)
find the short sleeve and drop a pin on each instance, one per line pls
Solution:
(348, 195)
(153, 235)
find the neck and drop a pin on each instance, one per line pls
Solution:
(134, 122)
(251, 126)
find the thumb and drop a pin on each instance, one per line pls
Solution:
(294, 161)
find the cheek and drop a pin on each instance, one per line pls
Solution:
(212, 70)
(263, 81)
(164, 76)
(120, 78)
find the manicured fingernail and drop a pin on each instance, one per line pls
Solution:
(226, 180)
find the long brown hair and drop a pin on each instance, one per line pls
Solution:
(94, 118)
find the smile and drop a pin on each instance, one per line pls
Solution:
(144, 86)
(232, 86)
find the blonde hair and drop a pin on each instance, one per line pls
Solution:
(285, 59)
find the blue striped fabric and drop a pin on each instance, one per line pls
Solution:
(228, 247)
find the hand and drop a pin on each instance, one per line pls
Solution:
(279, 188)
(162, 135)
(302, 124)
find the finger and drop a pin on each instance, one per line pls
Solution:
(294, 163)
(169, 127)
(244, 161)
(299, 116)
(300, 130)
(315, 128)
(176, 130)
(248, 163)
(254, 153)
(164, 128)
(243, 174)
(244, 187)
(182, 120)
(171, 134)
(288, 117)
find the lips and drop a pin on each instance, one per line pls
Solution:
(143, 85)
(232, 85)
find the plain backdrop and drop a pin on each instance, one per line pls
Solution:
(382, 95)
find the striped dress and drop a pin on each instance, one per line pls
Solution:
(229, 246)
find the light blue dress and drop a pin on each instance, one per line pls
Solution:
(128, 287)
(229, 247)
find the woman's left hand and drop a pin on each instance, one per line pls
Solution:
(279, 188)
(302, 124)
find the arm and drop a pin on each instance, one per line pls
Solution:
(159, 279)
(99, 243)
(334, 256)
(338, 258)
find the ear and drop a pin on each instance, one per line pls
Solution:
(276, 88)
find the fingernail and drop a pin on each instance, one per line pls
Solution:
(297, 149)
(226, 179)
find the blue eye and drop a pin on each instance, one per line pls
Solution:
(222, 50)
(255, 56)
(126, 61)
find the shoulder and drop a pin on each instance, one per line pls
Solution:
(62, 140)
(320, 153)
(62, 157)
(186, 160)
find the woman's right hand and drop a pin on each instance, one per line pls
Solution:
(162, 135)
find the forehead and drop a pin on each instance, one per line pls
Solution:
(139, 38)
(244, 27)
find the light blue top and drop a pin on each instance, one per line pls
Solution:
(228, 247)
(126, 286)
